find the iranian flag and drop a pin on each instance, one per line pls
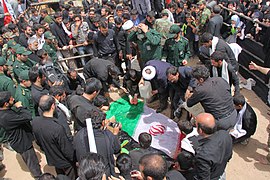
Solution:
(139, 118)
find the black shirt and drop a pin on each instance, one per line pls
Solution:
(17, 126)
(104, 45)
(215, 96)
(36, 93)
(212, 155)
(52, 139)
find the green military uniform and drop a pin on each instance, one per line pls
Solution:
(50, 48)
(175, 51)
(148, 44)
(19, 66)
(6, 84)
(23, 94)
(204, 16)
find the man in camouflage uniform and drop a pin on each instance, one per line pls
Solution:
(23, 92)
(22, 62)
(176, 49)
(162, 26)
(6, 84)
(204, 16)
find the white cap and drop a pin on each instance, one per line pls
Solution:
(127, 25)
(152, 74)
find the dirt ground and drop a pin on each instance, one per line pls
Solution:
(243, 165)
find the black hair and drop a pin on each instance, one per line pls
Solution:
(200, 72)
(145, 140)
(132, 73)
(77, 16)
(57, 15)
(185, 126)
(100, 101)
(4, 97)
(124, 163)
(34, 73)
(56, 90)
(92, 85)
(46, 102)
(133, 12)
(91, 166)
(185, 160)
(113, 70)
(46, 176)
(70, 70)
(103, 24)
(151, 14)
(154, 166)
(217, 55)
(239, 99)
(172, 71)
(118, 20)
(44, 11)
(12, 26)
(126, 16)
(207, 130)
(206, 37)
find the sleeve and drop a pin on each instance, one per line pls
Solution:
(235, 79)
(211, 27)
(95, 46)
(203, 169)
(116, 42)
(154, 38)
(21, 116)
(132, 37)
(65, 145)
(11, 88)
(194, 99)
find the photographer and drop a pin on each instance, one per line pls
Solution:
(107, 142)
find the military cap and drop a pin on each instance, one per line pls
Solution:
(175, 29)
(24, 75)
(23, 51)
(48, 35)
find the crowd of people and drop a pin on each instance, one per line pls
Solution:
(45, 100)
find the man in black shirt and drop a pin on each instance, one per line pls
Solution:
(16, 122)
(52, 139)
(214, 94)
(214, 151)
(106, 44)
(74, 80)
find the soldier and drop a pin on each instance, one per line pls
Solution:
(22, 61)
(148, 41)
(205, 14)
(23, 92)
(6, 84)
(176, 48)
(50, 47)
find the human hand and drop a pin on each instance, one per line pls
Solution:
(154, 92)
(70, 46)
(143, 27)
(85, 43)
(184, 62)
(253, 66)
(18, 104)
(136, 175)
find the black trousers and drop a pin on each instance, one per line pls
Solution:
(31, 160)
(69, 171)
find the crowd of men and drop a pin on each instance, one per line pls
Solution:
(43, 99)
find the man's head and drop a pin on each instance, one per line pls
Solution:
(92, 166)
(103, 27)
(24, 78)
(47, 104)
(43, 13)
(149, 72)
(58, 17)
(164, 14)
(97, 118)
(104, 11)
(92, 86)
(185, 127)
(217, 58)
(150, 17)
(113, 71)
(206, 124)
(77, 19)
(91, 14)
(72, 73)
(124, 163)
(175, 32)
(153, 167)
(206, 39)
(185, 161)
(216, 9)
(145, 140)
(36, 76)
(32, 44)
(27, 30)
(134, 14)
(6, 100)
(172, 74)
(3, 66)
(239, 101)
(119, 10)
(22, 54)
(39, 30)
(201, 4)
(58, 92)
(200, 73)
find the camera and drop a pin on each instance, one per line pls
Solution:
(114, 124)
(52, 73)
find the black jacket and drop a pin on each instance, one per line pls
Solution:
(58, 31)
(17, 126)
(52, 139)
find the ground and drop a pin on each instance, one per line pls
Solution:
(243, 165)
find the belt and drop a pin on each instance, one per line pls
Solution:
(225, 116)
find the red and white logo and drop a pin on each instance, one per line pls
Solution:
(157, 129)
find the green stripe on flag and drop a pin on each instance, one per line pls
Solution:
(126, 113)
